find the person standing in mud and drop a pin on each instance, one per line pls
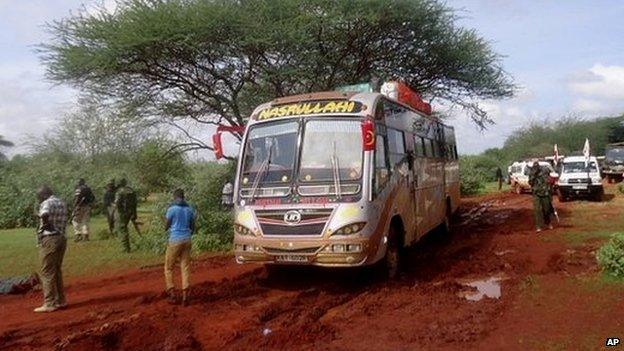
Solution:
(499, 177)
(125, 211)
(109, 205)
(52, 244)
(542, 199)
(181, 226)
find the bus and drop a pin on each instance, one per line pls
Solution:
(341, 179)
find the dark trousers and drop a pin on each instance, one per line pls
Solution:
(51, 253)
(542, 210)
(122, 231)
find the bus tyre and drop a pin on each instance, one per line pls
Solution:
(392, 259)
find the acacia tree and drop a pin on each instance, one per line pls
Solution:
(212, 61)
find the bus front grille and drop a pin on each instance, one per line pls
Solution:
(312, 222)
(277, 251)
(302, 229)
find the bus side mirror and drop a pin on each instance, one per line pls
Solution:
(217, 146)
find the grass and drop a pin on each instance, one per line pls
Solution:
(19, 252)
(590, 220)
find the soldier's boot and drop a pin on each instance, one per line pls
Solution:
(185, 297)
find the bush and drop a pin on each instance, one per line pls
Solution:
(611, 256)
(23, 175)
(475, 171)
(203, 191)
(621, 188)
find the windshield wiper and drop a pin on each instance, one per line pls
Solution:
(336, 172)
(264, 168)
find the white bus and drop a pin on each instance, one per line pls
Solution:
(342, 179)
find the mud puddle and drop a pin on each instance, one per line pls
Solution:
(489, 287)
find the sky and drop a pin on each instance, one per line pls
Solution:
(567, 57)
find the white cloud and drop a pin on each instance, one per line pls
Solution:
(598, 90)
(28, 104)
(606, 82)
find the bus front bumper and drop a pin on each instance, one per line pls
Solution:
(314, 252)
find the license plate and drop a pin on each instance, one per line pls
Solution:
(291, 258)
(579, 187)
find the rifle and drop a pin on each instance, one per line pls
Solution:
(136, 224)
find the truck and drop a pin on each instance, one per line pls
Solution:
(580, 177)
(613, 165)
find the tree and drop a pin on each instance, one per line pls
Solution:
(212, 61)
(95, 129)
(4, 143)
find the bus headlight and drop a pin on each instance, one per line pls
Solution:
(349, 229)
(242, 230)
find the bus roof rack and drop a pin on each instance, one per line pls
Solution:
(323, 95)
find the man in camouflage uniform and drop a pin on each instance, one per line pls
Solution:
(542, 205)
(126, 211)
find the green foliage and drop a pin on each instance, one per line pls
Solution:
(214, 61)
(569, 134)
(611, 256)
(23, 175)
(202, 188)
(159, 170)
(475, 171)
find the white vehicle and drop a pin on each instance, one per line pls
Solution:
(576, 180)
(519, 177)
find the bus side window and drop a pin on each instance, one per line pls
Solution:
(428, 148)
(382, 173)
(419, 147)
(396, 146)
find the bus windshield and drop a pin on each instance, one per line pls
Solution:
(270, 153)
(615, 154)
(331, 146)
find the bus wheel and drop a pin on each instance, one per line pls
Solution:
(392, 259)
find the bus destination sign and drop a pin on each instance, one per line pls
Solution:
(310, 108)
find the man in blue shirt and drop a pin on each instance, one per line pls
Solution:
(180, 225)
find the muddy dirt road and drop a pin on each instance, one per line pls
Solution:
(240, 308)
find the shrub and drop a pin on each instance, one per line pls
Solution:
(203, 191)
(611, 256)
(621, 188)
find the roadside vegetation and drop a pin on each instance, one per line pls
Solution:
(537, 140)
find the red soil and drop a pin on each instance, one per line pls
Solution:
(241, 308)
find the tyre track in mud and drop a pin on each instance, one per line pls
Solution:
(238, 307)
